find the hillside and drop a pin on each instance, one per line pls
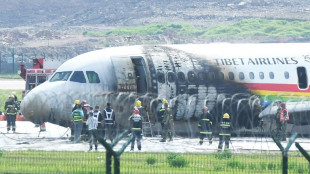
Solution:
(54, 28)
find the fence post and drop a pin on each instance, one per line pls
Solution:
(285, 150)
(304, 153)
(110, 152)
(108, 157)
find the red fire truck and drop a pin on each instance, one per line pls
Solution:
(41, 71)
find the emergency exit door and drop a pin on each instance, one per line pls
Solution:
(141, 74)
(302, 77)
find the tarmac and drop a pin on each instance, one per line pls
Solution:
(56, 138)
(13, 84)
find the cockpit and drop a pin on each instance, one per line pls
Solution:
(77, 76)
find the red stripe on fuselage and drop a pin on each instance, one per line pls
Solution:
(275, 87)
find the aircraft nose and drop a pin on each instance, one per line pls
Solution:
(35, 106)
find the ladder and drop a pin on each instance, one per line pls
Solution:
(146, 125)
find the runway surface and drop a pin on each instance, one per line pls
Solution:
(12, 83)
(56, 138)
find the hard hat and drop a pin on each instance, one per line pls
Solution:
(77, 102)
(138, 103)
(165, 100)
(205, 108)
(11, 96)
(83, 102)
(136, 111)
(13, 93)
(226, 115)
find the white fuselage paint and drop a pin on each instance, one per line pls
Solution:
(53, 100)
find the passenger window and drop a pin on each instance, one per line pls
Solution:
(261, 75)
(211, 76)
(161, 77)
(171, 77)
(202, 76)
(251, 75)
(271, 75)
(181, 77)
(92, 77)
(302, 77)
(191, 76)
(286, 75)
(78, 76)
(241, 75)
(221, 75)
(231, 76)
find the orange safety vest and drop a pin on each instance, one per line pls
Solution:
(282, 116)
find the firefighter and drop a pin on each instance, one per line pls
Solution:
(160, 115)
(136, 129)
(282, 117)
(10, 101)
(109, 121)
(167, 124)
(225, 132)
(11, 117)
(78, 115)
(205, 125)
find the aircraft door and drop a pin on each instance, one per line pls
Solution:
(141, 74)
(302, 77)
(124, 73)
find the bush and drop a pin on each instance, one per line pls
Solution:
(226, 154)
(151, 160)
(176, 160)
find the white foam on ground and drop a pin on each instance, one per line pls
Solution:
(56, 138)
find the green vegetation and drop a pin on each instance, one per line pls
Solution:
(261, 27)
(94, 162)
(151, 160)
(4, 95)
(176, 160)
(10, 76)
(252, 27)
(153, 29)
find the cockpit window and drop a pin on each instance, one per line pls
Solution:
(78, 76)
(92, 77)
(61, 76)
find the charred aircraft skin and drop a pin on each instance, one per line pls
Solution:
(149, 73)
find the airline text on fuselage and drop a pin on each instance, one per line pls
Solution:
(260, 61)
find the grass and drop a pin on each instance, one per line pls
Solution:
(82, 162)
(10, 76)
(4, 95)
(261, 27)
(253, 27)
(152, 29)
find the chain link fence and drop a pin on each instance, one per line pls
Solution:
(81, 162)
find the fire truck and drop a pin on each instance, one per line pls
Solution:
(41, 71)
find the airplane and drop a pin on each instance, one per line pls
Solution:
(244, 80)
